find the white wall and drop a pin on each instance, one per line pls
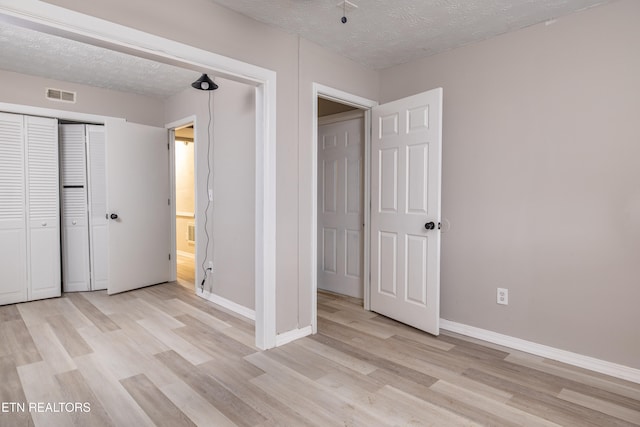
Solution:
(541, 180)
(231, 215)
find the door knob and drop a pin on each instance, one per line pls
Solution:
(114, 216)
(430, 225)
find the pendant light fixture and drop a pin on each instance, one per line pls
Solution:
(204, 83)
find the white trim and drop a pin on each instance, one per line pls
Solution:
(326, 92)
(172, 202)
(63, 22)
(340, 117)
(58, 114)
(292, 335)
(186, 254)
(575, 359)
(226, 303)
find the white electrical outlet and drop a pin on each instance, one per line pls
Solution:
(211, 265)
(503, 296)
(210, 195)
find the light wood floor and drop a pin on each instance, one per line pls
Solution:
(162, 356)
(186, 271)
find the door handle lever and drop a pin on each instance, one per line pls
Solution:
(113, 216)
(430, 225)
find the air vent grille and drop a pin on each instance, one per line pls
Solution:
(191, 232)
(60, 95)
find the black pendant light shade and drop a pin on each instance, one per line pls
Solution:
(204, 83)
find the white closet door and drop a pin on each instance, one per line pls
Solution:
(43, 207)
(340, 216)
(13, 251)
(75, 230)
(97, 173)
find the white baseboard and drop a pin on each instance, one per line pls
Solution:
(575, 359)
(292, 335)
(186, 254)
(228, 304)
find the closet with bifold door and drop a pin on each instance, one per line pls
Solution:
(29, 208)
(84, 207)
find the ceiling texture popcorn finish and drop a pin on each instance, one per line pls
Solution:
(383, 33)
(31, 52)
(378, 34)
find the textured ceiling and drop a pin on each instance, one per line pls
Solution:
(383, 33)
(378, 34)
(30, 52)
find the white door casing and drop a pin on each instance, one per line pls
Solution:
(406, 184)
(340, 213)
(138, 193)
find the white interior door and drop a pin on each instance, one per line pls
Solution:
(138, 206)
(340, 216)
(405, 196)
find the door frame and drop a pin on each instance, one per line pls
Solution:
(56, 20)
(171, 127)
(336, 95)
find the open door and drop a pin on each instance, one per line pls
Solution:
(406, 167)
(138, 206)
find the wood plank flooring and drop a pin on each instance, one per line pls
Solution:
(186, 270)
(161, 356)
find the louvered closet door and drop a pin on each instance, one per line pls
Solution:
(98, 231)
(75, 230)
(13, 251)
(43, 207)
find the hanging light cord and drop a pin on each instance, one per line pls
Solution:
(206, 269)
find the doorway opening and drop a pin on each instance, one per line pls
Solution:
(340, 186)
(185, 218)
(402, 164)
(340, 191)
(340, 198)
(77, 26)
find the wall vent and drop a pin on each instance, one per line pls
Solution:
(60, 95)
(191, 232)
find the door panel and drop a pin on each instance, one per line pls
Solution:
(13, 251)
(387, 263)
(75, 239)
(138, 193)
(340, 213)
(75, 231)
(405, 261)
(388, 180)
(43, 201)
(98, 223)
